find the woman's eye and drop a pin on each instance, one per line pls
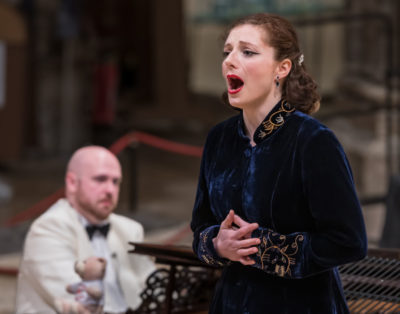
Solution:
(225, 54)
(248, 52)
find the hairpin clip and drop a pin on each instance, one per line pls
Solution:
(301, 59)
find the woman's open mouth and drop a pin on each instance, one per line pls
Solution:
(235, 83)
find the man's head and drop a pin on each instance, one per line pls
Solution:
(92, 182)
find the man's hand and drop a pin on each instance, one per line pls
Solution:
(70, 307)
(234, 241)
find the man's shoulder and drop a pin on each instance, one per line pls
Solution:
(60, 207)
(126, 228)
(58, 214)
(121, 220)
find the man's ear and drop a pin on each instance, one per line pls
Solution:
(71, 182)
(284, 68)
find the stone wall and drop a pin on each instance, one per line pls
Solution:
(367, 43)
(365, 79)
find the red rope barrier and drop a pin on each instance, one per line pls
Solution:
(116, 148)
(156, 142)
(8, 271)
(35, 210)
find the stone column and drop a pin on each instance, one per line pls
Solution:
(170, 81)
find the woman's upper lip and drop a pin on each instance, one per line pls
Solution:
(234, 76)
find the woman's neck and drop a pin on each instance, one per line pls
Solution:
(254, 115)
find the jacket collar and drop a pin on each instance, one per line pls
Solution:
(272, 122)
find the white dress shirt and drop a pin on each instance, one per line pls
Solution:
(114, 298)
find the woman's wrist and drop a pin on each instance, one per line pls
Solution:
(215, 243)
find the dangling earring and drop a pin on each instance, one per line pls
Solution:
(277, 81)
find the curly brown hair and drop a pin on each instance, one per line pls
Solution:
(299, 88)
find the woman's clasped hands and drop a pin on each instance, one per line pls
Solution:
(234, 241)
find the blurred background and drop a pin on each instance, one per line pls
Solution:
(78, 72)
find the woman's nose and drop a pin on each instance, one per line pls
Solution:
(230, 60)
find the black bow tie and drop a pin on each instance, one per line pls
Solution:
(103, 229)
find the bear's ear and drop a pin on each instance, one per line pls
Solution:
(102, 260)
(80, 267)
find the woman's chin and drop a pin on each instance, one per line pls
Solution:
(236, 104)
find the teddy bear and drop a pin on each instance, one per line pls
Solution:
(89, 293)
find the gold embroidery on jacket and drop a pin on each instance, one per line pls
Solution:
(276, 119)
(278, 256)
(207, 257)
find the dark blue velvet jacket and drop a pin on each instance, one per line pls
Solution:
(297, 184)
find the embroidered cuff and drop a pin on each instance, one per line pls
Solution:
(206, 251)
(278, 254)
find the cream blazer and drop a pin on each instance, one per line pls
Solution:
(56, 240)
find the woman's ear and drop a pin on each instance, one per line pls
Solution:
(284, 68)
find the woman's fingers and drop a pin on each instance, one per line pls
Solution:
(247, 261)
(244, 254)
(246, 243)
(239, 221)
(247, 251)
(228, 221)
(244, 232)
(234, 239)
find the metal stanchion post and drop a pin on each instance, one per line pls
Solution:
(133, 175)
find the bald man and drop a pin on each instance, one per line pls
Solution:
(67, 232)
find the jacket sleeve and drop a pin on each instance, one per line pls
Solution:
(48, 260)
(339, 236)
(204, 225)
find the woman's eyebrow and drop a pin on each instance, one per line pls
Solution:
(241, 43)
(227, 45)
(246, 43)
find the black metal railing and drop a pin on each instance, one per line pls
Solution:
(371, 285)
